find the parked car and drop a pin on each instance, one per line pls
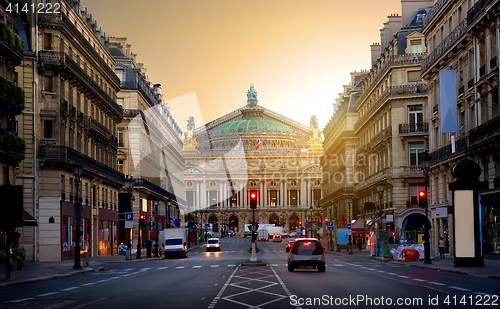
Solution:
(213, 244)
(122, 250)
(289, 245)
(230, 233)
(308, 253)
(291, 234)
(277, 238)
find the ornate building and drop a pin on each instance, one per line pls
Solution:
(149, 149)
(253, 148)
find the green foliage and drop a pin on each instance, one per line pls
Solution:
(17, 92)
(19, 254)
(3, 256)
(13, 142)
(11, 37)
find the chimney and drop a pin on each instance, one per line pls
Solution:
(375, 51)
(393, 26)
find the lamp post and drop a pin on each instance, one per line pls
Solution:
(129, 185)
(426, 163)
(350, 232)
(78, 208)
(380, 190)
(157, 230)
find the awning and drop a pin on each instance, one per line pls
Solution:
(358, 226)
(372, 220)
(28, 219)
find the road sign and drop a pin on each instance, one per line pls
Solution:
(330, 225)
(349, 232)
(319, 227)
(349, 226)
(129, 220)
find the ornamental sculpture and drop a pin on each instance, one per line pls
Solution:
(316, 141)
(189, 140)
(252, 96)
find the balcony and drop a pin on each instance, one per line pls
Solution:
(380, 137)
(97, 130)
(70, 28)
(485, 132)
(478, 9)
(9, 89)
(413, 205)
(442, 48)
(67, 156)
(412, 171)
(444, 153)
(61, 61)
(12, 148)
(143, 182)
(131, 112)
(408, 89)
(143, 88)
(414, 128)
(72, 112)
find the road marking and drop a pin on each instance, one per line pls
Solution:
(69, 289)
(47, 294)
(179, 267)
(145, 268)
(165, 267)
(214, 265)
(103, 280)
(231, 265)
(114, 278)
(126, 275)
(338, 265)
(421, 280)
(458, 288)
(196, 266)
(20, 300)
(406, 277)
(393, 274)
(87, 284)
(216, 299)
(437, 283)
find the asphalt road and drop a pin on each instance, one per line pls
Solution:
(216, 280)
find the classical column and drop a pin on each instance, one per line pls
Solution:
(264, 195)
(285, 201)
(197, 195)
(261, 194)
(280, 202)
(303, 188)
(309, 199)
(244, 199)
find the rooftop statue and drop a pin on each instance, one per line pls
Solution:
(252, 94)
(190, 125)
(314, 122)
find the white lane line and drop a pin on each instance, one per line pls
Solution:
(20, 300)
(216, 299)
(392, 274)
(406, 277)
(437, 283)
(231, 265)
(339, 265)
(145, 268)
(458, 288)
(287, 291)
(47, 294)
(196, 266)
(126, 275)
(180, 267)
(165, 267)
(103, 280)
(69, 289)
(421, 280)
(214, 265)
(87, 284)
(128, 269)
(274, 265)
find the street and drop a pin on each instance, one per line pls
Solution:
(216, 280)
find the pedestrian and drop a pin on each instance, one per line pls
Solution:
(360, 244)
(441, 247)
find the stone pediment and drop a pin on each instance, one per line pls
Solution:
(193, 170)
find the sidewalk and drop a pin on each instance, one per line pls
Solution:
(46, 271)
(490, 270)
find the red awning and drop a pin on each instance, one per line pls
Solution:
(358, 226)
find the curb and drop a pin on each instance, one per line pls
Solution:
(46, 278)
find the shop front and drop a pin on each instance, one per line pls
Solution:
(68, 232)
(108, 232)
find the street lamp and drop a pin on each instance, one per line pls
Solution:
(350, 232)
(426, 163)
(380, 190)
(129, 185)
(157, 230)
(78, 208)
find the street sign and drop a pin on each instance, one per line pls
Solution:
(319, 227)
(349, 226)
(330, 225)
(129, 220)
(349, 232)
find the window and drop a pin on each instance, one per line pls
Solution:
(119, 166)
(47, 129)
(294, 197)
(416, 150)
(459, 14)
(493, 44)
(273, 198)
(450, 25)
(415, 199)
(47, 41)
(120, 139)
(316, 196)
(415, 118)
(121, 75)
(47, 83)
(416, 46)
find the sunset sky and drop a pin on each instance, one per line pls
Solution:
(297, 53)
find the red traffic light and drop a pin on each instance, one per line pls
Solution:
(143, 217)
(421, 193)
(326, 219)
(253, 195)
(300, 222)
(393, 233)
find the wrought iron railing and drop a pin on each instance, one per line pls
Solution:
(62, 19)
(408, 89)
(131, 112)
(410, 128)
(486, 131)
(451, 39)
(94, 125)
(64, 153)
(476, 10)
(142, 182)
(444, 153)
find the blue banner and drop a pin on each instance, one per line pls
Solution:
(448, 101)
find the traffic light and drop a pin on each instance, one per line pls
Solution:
(421, 197)
(393, 234)
(326, 220)
(300, 223)
(253, 199)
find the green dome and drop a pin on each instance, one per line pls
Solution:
(252, 125)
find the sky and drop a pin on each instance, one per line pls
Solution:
(297, 53)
